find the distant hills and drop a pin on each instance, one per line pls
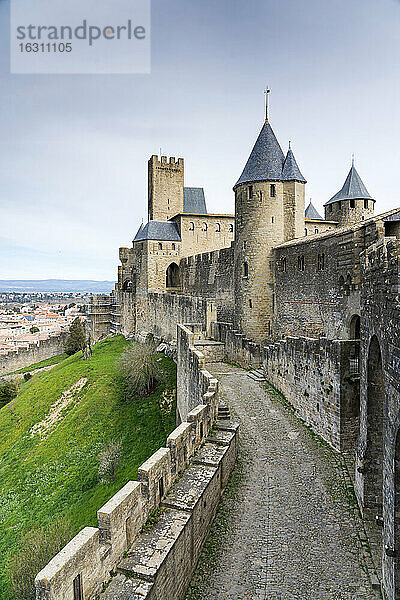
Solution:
(55, 285)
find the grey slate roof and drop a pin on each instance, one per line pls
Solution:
(291, 171)
(312, 213)
(353, 187)
(267, 161)
(194, 201)
(158, 230)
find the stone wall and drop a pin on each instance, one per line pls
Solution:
(210, 275)
(315, 377)
(42, 350)
(378, 456)
(160, 313)
(184, 481)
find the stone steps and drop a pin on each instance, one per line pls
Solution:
(256, 375)
(126, 588)
(224, 413)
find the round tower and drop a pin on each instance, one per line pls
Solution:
(269, 209)
(352, 203)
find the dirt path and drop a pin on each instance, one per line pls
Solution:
(286, 528)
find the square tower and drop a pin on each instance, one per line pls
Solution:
(165, 190)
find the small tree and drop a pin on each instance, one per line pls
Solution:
(36, 549)
(34, 329)
(8, 391)
(76, 339)
(109, 459)
(140, 368)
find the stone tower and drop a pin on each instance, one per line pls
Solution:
(165, 188)
(269, 208)
(352, 203)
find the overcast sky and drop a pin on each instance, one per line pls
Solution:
(74, 149)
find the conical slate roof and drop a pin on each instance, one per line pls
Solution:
(291, 171)
(353, 187)
(312, 213)
(267, 161)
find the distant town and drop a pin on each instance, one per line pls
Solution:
(30, 318)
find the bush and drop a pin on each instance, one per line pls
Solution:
(109, 459)
(8, 391)
(34, 329)
(27, 376)
(140, 369)
(36, 550)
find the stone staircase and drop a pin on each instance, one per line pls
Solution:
(257, 375)
(223, 413)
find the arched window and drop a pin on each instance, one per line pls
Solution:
(355, 327)
(191, 226)
(283, 264)
(245, 269)
(316, 230)
(218, 229)
(321, 262)
(301, 263)
(173, 246)
(230, 228)
(173, 276)
(205, 226)
(127, 285)
(160, 246)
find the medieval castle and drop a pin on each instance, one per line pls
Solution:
(315, 301)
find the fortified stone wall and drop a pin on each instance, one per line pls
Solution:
(210, 275)
(185, 481)
(378, 460)
(317, 283)
(160, 313)
(315, 377)
(37, 352)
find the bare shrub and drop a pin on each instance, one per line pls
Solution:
(36, 549)
(140, 368)
(109, 459)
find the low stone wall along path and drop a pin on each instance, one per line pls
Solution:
(288, 527)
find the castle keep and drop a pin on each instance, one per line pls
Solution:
(313, 300)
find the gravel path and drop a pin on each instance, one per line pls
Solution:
(287, 528)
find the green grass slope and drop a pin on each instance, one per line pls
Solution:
(41, 479)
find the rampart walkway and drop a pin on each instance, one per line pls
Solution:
(288, 527)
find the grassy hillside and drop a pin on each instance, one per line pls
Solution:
(58, 474)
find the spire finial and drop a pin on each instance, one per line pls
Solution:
(266, 93)
(290, 145)
(352, 160)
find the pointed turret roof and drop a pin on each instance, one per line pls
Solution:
(291, 171)
(312, 213)
(267, 161)
(353, 187)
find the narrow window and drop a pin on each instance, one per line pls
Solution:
(339, 205)
(78, 590)
(245, 269)
(352, 203)
(161, 487)
(272, 190)
(201, 431)
(301, 263)
(305, 232)
(321, 262)
(261, 195)
(272, 219)
(269, 327)
(273, 303)
(283, 264)
(330, 208)
(191, 226)
(218, 227)
(250, 303)
(365, 203)
(316, 230)
(230, 228)
(250, 191)
(173, 246)
(205, 226)
(160, 246)
(244, 244)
